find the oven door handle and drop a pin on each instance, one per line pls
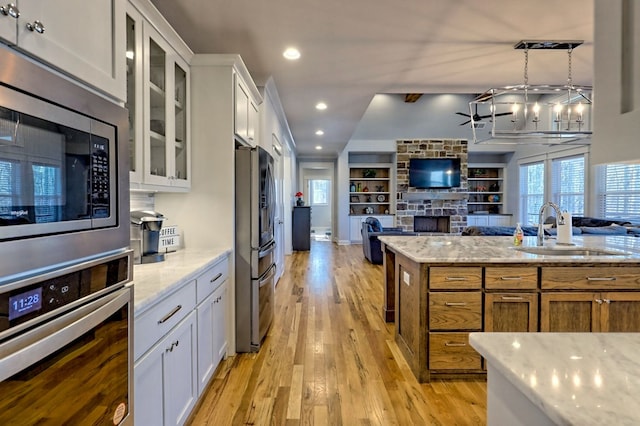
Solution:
(26, 349)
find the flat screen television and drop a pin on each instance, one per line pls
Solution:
(434, 172)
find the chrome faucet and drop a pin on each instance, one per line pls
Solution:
(559, 220)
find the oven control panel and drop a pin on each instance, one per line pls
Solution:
(23, 304)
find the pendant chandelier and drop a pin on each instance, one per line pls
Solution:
(525, 113)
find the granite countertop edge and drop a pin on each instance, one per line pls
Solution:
(518, 356)
(499, 249)
(154, 281)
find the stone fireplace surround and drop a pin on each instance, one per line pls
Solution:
(410, 202)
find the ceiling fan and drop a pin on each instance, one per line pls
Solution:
(478, 117)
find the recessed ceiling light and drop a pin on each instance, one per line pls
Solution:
(319, 132)
(318, 147)
(291, 53)
(321, 106)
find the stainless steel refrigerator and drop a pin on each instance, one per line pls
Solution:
(255, 246)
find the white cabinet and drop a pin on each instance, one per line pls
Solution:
(355, 225)
(165, 378)
(158, 96)
(83, 39)
(477, 220)
(246, 115)
(212, 321)
(488, 220)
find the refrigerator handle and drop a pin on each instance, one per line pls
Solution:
(267, 276)
(267, 249)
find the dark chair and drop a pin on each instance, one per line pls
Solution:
(371, 247)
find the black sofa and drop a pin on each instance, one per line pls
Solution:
(371, 246)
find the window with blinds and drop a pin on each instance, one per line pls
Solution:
(9, 187)
(319, 192)
(567, 184)
(531, 191)
(619, 191)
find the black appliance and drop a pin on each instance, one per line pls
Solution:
(255, 246)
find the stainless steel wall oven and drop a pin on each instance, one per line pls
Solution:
(64, 175)
(66, 346)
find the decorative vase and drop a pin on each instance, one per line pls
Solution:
(299, 202)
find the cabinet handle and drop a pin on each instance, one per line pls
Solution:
(454, 344)
(599, 301)
(36, 26)
(455, 304)
(601, 278)
(510, 278)
(511, 297)
(216, 277)
(10, 10)
(173, 345)
(170, 314)
(455, 278)
(607, 301)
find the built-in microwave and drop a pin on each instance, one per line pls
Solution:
(63, 170)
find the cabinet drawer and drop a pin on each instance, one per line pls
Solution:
(511, 278)
(152, 325)
(590, 278)
(455, 278)
(452, 351)
(455, 311)
(211, 279)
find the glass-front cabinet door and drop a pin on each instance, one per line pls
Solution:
(158, 91)
(181, 164)
(157, 86)
(134, 102)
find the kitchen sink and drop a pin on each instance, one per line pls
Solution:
(573, 251)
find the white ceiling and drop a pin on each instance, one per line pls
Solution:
(354, 49)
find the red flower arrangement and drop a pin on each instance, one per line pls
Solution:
(299, 194)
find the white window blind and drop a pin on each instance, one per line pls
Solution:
(567, 184)
(319, 191)
(9, 187)
(619, 191)
(47, 192)
(531, 191)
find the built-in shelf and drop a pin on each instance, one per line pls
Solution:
(486, 188)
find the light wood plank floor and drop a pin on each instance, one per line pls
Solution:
(330, 359)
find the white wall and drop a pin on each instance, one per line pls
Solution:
(616, 133)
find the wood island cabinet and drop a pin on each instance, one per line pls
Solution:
(511, 299)
(437, 305)
(588, 300)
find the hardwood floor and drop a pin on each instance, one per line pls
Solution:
(330, 359)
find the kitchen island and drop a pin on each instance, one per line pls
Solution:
(561, 378)
(441, 288)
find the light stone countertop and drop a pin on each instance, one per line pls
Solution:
(153, 281)
(574, 378)
(496, 249)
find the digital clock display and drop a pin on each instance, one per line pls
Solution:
(24, 303)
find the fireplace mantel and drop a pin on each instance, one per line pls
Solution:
(419, 196)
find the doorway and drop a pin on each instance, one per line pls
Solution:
(317, 181)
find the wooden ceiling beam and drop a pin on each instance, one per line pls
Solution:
(412, 97)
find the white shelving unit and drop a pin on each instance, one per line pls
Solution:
(370, 189)
(486, 188)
